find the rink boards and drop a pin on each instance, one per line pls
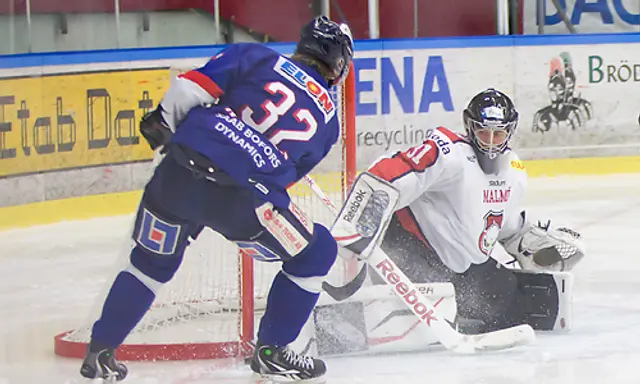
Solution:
(69, 147)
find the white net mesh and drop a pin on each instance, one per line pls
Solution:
(202, 303)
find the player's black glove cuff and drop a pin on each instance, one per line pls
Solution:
(154, 129)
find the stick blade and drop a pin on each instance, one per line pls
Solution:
(498, 340)
(347, 290)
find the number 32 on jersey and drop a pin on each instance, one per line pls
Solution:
(274, 110)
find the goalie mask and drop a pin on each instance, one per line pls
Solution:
(490, 120)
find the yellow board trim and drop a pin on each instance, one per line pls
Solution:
(114, 204)
(582, 166)
(74, 208)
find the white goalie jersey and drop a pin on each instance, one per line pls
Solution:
(450, 203)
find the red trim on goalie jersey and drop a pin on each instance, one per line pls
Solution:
(204, 82)
(454, 137)
(410, 224)
(392, 168)
(415, 159)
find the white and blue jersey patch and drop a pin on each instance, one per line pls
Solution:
(157, 235)
(318, 93)
(258, 251)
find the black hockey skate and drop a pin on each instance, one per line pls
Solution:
(283, 365)
(103, 365)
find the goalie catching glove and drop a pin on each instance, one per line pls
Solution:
(543, 247)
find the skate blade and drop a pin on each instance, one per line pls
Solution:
(262, 378)
(100, 380)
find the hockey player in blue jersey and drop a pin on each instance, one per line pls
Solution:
(237, 132)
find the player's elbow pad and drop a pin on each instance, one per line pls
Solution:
(154, 129)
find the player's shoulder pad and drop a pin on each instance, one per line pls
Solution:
(256, 50)
(253, 47)
(446, 140)
(250, 53)
(441, 147)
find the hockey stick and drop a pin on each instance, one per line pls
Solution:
(428, 314)
(342, 292)
(442, 330)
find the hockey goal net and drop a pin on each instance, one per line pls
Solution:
(212, 306)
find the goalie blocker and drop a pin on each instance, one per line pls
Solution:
(364, 218)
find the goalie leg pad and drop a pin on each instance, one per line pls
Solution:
(489, 292)
(549, 298)
(501, 298)
(340, 328)
(373, 320)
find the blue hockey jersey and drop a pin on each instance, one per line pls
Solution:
(283, 102)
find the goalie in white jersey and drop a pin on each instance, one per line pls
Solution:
(459, 197)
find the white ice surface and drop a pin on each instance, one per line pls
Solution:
(48, 284)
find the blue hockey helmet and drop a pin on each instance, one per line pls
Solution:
(329, 43)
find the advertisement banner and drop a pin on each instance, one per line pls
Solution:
(601, 16)
(75, 120)
(575, 100)
(570, 98)
(578, 101)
